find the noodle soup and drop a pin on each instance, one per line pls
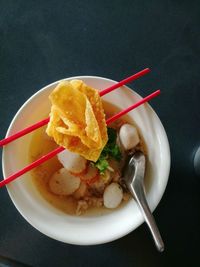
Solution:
(97, 192)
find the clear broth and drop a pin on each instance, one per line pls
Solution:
(41, 144)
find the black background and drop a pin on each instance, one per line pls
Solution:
(43, 41)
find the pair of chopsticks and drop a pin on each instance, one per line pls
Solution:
(53, 153)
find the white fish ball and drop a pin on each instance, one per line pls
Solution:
(72, 161)
(63, 183)
(128, 136)
(112, 196)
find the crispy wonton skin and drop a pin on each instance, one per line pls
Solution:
(77, 119)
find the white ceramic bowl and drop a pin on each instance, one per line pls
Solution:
(94, 229)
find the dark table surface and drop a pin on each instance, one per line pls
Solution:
(43, 41)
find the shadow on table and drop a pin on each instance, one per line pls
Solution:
(5, 262)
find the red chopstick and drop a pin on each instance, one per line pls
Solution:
(59, 149)
(39, 124)
(125, 81)
(23, 132)
(123, 112)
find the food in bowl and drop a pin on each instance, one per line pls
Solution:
(99, 227)
(87, 175)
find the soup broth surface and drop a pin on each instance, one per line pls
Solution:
(41, 144)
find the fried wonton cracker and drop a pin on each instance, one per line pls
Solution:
(77, 119)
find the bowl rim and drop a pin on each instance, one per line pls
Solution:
(168, 156)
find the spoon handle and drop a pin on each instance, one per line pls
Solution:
(138, 193)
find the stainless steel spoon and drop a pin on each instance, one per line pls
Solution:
(133, 177)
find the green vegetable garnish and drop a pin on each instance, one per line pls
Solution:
(111, 150)
(101, 164)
